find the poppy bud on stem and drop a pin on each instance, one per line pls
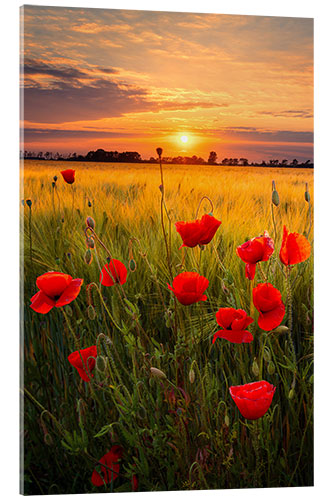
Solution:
(276, 202)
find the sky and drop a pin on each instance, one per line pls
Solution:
(190, 83)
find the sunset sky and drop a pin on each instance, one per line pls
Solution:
(134, 80)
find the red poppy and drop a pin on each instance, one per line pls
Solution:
(189, 288)
(84, 361)
(68, 175)
(253, 251)
(110, 459)
(267, 300)
(253, 400)
(55, 290)
(295, 248)
(113, 272)
(234, 323)
(198, 232)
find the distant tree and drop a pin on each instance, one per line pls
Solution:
(284, 162)
(212, 158)
(294, 163)
(244, 161)
(225, 161)
(235, 161)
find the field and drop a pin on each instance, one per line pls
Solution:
(181, 431)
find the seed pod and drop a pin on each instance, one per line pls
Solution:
(141, 413)
(88, 256)
(132, 265)
(291, 393)
(68, 310)
(267, 355)
(191, 376)
(48, 439)
(91, 312)
(271, 368)
(281, 329)
(157, 373)
(275, 198)
(90, 242)
(159, 151)
(101, 364)
(307, 194)
(255, 368)
(90, 222)
(29, 203)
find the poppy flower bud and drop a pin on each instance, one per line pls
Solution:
(291, 393)
(89, 203)
(271, 368)
(55, 178)
(48, 439)
(90, 222)
(101, 364)
(159, 151)
(141, 413)
(91, 311)
(226, 420)
(191, 376)
(157, 373)
(160, 187)
(275, 198)
(307, 194)
(281, 329)
(29, 203)
(90, 242)
(255, 368)
(267, 355)
(132, 265)
(53, 184)
(68, 311)
(57, 261)
(88, 256)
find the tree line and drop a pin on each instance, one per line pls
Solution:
(100, 155)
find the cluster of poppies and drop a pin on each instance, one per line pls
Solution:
(253, 399)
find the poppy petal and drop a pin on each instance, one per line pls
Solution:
(53, 283)
(234, 336)
(271, 319)
(41, 303)
(71, 292)
(250, 271)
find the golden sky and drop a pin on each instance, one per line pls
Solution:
(134, 80)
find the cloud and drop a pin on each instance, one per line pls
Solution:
(38, 67)
(253, 134)
(288, 113)
(46, 134)
(68, 102)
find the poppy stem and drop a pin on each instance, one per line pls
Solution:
(204, 198)
(256, 446)
(310, 220)
(290, 324)
(30, 235)
(273, 219)
(162, 219)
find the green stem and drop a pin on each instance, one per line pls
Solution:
(290, 325)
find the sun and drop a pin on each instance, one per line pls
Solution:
(184, 138)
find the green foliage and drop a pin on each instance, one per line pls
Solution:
(176, 434)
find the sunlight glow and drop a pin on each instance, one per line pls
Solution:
(184, 138)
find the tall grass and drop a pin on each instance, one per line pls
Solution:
(176, 433)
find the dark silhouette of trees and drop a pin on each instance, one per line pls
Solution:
(212, 158)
